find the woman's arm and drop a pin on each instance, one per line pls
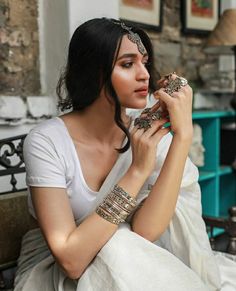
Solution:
(74, 247)
(151, 220)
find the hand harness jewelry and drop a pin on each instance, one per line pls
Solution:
(175, 85)
(147, 116)
(146, 120)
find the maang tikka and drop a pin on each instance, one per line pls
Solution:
(133, 36)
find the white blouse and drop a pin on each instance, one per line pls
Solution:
(51, 160)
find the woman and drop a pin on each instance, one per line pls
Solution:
(88, 171)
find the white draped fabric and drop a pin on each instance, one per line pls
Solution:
(180, 260)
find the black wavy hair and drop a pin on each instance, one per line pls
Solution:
(93, 50)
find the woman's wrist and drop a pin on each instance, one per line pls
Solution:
(184, 139)
(132, 181)
(185, 135)
(137, 174)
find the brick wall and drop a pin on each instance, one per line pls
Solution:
(19, 49)
(19, 57)
(184, 54)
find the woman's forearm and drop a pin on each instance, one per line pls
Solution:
(86, 240)
(151, 220)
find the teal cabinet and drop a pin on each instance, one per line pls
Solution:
(217, 182)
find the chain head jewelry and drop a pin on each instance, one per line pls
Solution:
(132, 36)
(135, 38)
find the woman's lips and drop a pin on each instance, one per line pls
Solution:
(142, 92)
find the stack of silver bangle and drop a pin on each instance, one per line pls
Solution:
(117, 206)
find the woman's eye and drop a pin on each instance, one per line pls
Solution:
(127, 65)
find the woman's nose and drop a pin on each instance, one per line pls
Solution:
(142, 73)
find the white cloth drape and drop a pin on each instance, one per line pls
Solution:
(180, 260)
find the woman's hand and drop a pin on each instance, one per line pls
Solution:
(144, 145)
(179, 107)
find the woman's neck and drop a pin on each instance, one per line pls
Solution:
(97, 122)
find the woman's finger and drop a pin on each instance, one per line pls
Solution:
(164, 97)
(162, 82)
(155, 107)
(136, 130)
(156, 125)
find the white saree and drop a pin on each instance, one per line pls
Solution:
(180, 260)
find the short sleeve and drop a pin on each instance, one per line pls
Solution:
(44, 166)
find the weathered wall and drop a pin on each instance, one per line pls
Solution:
(19, 49)
(19, 69)
(184, 54)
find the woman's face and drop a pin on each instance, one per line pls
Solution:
(130, 77)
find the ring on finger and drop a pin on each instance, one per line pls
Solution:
(175, 85)
(183, 81)
(146, 122)
(143, 123)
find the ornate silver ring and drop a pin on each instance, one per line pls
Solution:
(146, 121)
(175, 85)
(183, 81)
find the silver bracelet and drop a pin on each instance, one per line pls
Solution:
(117, 206)
(121, 192)
(108, 217)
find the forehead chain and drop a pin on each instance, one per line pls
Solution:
(133, 36)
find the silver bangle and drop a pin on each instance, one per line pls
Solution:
(108, 217)
(117, 206)
(121, 192)
(116, 210)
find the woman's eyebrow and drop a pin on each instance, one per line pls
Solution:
(130, 56)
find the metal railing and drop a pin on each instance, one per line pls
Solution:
(11, 159)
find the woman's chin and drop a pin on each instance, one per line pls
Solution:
(140, 105)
